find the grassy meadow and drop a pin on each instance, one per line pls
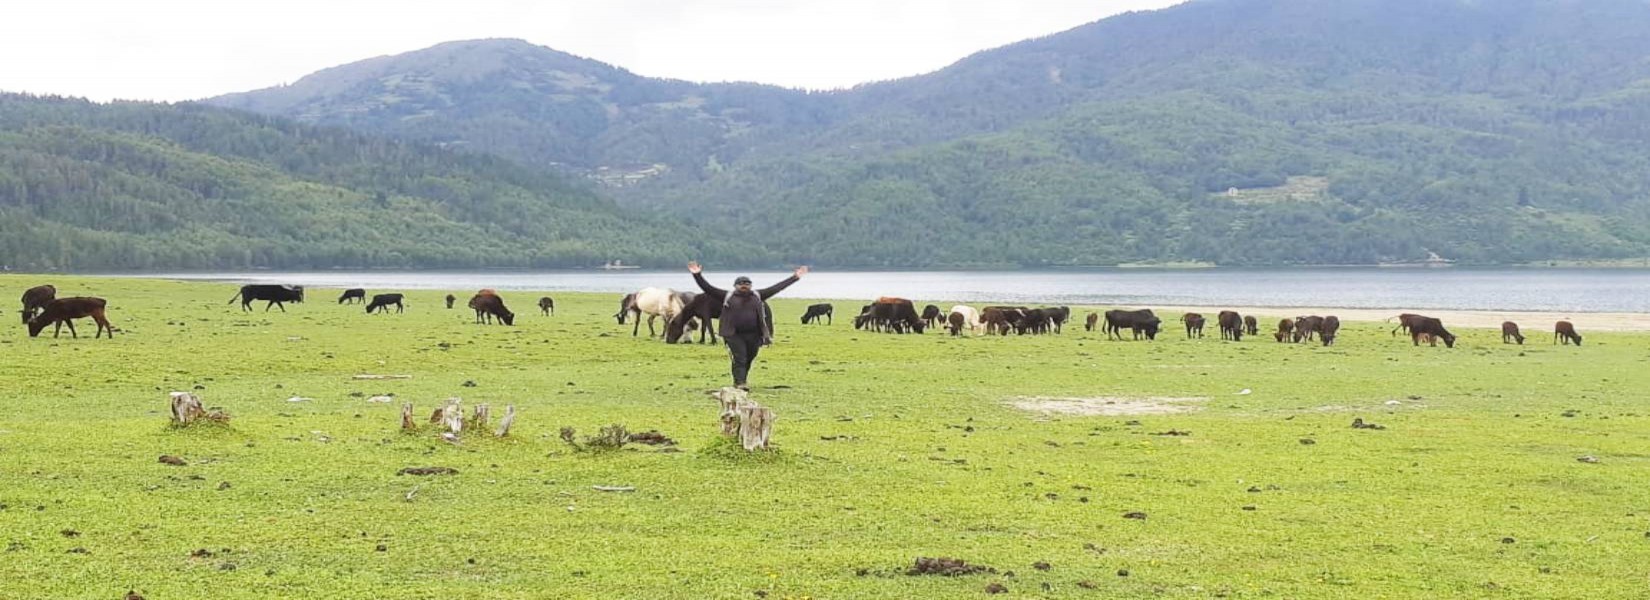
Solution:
(888, 448)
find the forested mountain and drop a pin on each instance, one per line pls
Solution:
(1230, 131)
(134, 185)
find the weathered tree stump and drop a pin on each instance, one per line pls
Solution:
(755, 425)
(483, 414)
(407, 423)
(731, 399)
(508, 420)
(186, 407)
(452, 417)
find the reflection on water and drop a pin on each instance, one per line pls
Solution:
(1576, 290)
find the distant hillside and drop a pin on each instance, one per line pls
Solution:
(1486, 132)
(141, 186)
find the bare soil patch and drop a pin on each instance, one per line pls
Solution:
(1108, 406)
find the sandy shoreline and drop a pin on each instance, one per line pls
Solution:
(1532, 323)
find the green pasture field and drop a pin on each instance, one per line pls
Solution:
(888, 448)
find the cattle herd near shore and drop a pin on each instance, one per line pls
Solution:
(682, 312)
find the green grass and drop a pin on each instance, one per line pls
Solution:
(924, 460)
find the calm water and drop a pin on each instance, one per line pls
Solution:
(1572, 290)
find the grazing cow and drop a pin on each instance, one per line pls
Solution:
(815, 312)
(705, 309)
(1000, 319)
(353, 295)
(1326, 331)
(1250, 325)
(383, 302)
(1194, 324)
(863, 321)
(65, 310)
(1306, 328)
(1089, 323)
(897, 315)
(1231, 326)
(1406, 322)
(450, 300)
(35, 299)
(1138, 321)
(1033, 321)
(547, 306)
(956, 320)
(627, 305)
(275, 295)
(931, 316)
(1286, 331)
(656, 303)
(1433, 328)
(1566, 331)
(1509, 332)
(489, 305)
(1058, 316)
(971, 319)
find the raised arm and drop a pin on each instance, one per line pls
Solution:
(699, 278)
(778, 287)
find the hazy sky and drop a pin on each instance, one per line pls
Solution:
(187, 49)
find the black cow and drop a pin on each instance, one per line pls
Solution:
(1058, 316)
(547, 306)
(1326, 331)
(1431, 327)
(1033, 320)
(1231, 326)
(931, 315)
(815, 312)
(450, 300)
(1194, 324)
(1138, 321)
(1306, 328)
(383, 302)
(1250, 325)
(897, 315)
(35, 299)
(275, 295)
(353, 295)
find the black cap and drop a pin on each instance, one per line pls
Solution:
(742, 280)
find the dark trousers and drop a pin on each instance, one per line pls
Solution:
(742, 348)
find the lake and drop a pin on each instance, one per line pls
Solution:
(1574, 290)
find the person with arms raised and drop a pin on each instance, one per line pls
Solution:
(743, 328)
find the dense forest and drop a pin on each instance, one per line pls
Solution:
(145, 186)
(1241, 132)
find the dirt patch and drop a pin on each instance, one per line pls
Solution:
(652, 438)
(949, 567)
(1108, 406)
(428, 471)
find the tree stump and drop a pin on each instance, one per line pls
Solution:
(508, 420)
(452, 417)
(186, 407)
(483, 414)
(731, 399)
(407, 423)
(755, 424)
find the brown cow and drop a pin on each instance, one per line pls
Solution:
(1286, 330)
(1509, 332)
(35, 298)
(65, 310)
(1406, 322)
(1432, 330)
(1566, 331)
(1250, 325)
(1194, 324)
(1088, 324)
(1326, 332)
(1231, 326)
(1306, 328)
(487, 305)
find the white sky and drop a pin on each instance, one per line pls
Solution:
(188, 49)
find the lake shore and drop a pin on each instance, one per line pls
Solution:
(1531, 323)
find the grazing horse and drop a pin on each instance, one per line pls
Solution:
(1231, 326)
(450, 300)
(65, 310)
(1509, 332)
(627, 305)
(35, 299)
(1286, 331)
(547, 306)
(382, 302)
(1566, 331)
(705, 309)
(353, 295)
(1194, 324)
(1250, 325)
(656, 303)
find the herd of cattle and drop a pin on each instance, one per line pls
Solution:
(688, 311)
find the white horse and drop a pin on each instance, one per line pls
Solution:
(655, 302)
(971, 317)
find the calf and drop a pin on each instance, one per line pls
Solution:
(1509, 332)
(488, 305)
(353, 295)
(64, 310)
(1566, 331)
(1286, 331)
(382, 302)
(1433, 329)
(1231, 326)
(450, 300)
(275, 295)
(1250, 325)
(1194, 324)
(1326, 332)
(815, 312)
(35, 299)
(1089, 323)
(547, 306)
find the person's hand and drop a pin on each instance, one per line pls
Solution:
(693, 267)
(800, 271)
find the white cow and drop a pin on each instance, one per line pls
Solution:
(970, 319)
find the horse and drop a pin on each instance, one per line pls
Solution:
(655, 302)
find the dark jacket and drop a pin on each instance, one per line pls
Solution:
(742, 307)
